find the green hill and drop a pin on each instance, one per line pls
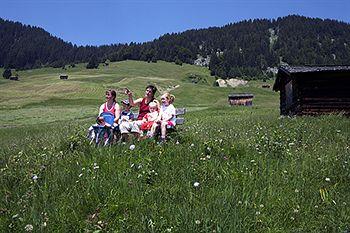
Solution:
(41, 97)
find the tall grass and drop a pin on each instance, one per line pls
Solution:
(227, 169)
(255, 172)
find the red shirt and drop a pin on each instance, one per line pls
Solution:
(144, 108)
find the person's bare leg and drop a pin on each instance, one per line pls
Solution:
(163, 129)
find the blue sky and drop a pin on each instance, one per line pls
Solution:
(98, 22)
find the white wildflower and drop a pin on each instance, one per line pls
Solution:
(81, 174)
(328, 179)
(29, 227)
(196, 184)
(198, 222)
(132, 147)
(35, 177)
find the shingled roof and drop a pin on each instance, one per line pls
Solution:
(313, 69)
(290, 71)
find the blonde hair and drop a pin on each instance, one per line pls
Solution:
(169, 97)
(154, 103)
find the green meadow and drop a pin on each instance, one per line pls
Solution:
(227, 169)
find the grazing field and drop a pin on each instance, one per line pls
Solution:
(227, 169)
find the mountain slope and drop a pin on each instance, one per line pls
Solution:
(244, 48)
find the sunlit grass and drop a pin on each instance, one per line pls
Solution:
(227, 169)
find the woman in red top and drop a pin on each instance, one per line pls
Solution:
(142, 103)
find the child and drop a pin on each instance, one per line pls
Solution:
(167, 115)
(126, 118)
(150, 118)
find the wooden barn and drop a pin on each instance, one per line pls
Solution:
(244, 99)
(15, 78)
(310, 90)
(63, 76)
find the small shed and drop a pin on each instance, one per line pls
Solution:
(63, 76)
(15, 78)
(244, 99)
(313, 90)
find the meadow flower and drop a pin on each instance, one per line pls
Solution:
(35, 177)
(132, 147)
(96, 166)
(177, 143)
(328, 179)
(192, 144)
(197, 222)
(196, 184)
(28, 227)
(81, 174)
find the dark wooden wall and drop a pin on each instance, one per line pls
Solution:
(322, 93)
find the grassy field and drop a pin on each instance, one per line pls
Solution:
(228, 169)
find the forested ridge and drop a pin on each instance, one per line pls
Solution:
(246, 48)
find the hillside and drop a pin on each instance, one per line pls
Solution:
(245, 48)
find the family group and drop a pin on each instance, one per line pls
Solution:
(153, 116)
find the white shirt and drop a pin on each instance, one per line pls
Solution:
(168, 112)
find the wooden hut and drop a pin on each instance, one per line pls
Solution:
(310, 90)
(63, 76)
(244, 99)
(15, 78)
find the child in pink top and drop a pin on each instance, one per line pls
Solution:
(150, 117)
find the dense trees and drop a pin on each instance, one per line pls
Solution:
(7, 73)
(93, 63)
(245, 49)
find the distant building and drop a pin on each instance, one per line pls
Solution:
(244, 99)
(310, 90)
(15, 78)
(63, 76)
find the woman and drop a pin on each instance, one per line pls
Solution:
(142, 103)
(110, 106)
